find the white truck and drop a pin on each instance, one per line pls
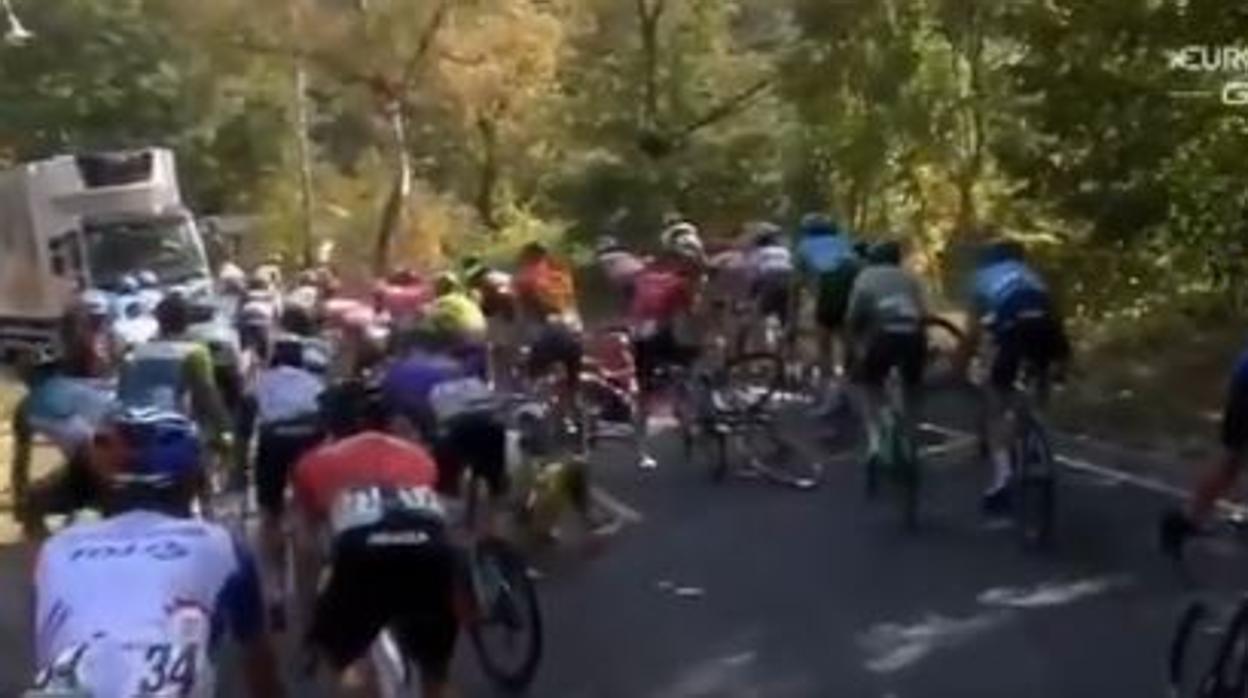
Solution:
(73, 222)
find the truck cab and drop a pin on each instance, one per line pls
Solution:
(74, 222)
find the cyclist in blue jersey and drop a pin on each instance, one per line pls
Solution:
(828, 263)
(66, 397)
(1177, 526)
(135, 604)
(1011, 303)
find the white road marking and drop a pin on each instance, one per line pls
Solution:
(1141, 481)
(620, 509)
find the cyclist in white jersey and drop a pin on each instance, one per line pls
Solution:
(133, 606)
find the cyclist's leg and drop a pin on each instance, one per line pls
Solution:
(276, 454)
(912, 357)
(356, 604)
(1006, 363)
(479, 442)
(869, 373)
(427, 622)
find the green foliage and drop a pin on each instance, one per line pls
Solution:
(566, 119)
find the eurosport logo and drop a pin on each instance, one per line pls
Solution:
(1213, 60)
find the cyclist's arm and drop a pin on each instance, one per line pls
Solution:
(243, 603)
(206, 400)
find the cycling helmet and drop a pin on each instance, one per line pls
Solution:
(764, 234)
(94, 303)
(403, 276)
(818, 224)
(884, 253)
(150, 448)
(148, 279)
(607, 244)
(533, 250)
(128, 284)
(1000, 250)
(445, 283)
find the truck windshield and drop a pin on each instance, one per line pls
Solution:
(166, 247)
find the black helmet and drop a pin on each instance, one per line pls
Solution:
(885, 253)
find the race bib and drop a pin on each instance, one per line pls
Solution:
(368, 506)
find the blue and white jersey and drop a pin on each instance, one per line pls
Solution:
(822, 254)
(142, 600)
(1001, 292)
(66, 410)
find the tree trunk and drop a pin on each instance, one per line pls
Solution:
(648, 23)
(306, 238)
(488, 184)
(394, 215)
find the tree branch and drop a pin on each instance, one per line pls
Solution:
(426, 41)
(727, 108)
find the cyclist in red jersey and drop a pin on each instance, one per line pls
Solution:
(391, 561)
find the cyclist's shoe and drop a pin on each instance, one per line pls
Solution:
(1176, 528)
(996, 502)
(647, 462)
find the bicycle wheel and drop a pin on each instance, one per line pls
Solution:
(1227, 677)
(750, 381)
(509, 611)
(774, 457)
(1035, 485)
(903, 456)
(946, 345)
(1180, 646)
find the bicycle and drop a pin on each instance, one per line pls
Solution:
(1226, 675)
(1034, 468)
(502, 597)
(728, 412)
(898, 455)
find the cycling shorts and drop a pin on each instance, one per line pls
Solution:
(476, 441)
(659, 350)
(1235, 413)
(771, 295)
(883, 351)
(832, 295)
(1031, 343)
(398, 574)
(556, 345)
(278, 447)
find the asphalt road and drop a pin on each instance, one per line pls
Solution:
(747, 589)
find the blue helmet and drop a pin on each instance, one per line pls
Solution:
(818, 224)
(999, 250)
(162, 447)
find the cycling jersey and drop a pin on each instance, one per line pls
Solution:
(147, 595)
(364, 460)
(822, 254)
(769, 260)
(1004, 291)
(67, 409)
(886, 299)
(404, 300)
(660, 294)
(286, 394)
(408, 383)
(548, 286)
(160, 374)
(620, 267)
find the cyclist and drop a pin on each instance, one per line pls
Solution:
(495, 293)
(1012, 304)
(175, 373)
(827, 261)
(65, 399)
(391, 563)
(1177, 525)
(546, 297)
(769, 264)
(456, 316)
(618, 265)
(665, 294)
(884, 324)
(401, 298)
(134, 604)
(285, 403)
